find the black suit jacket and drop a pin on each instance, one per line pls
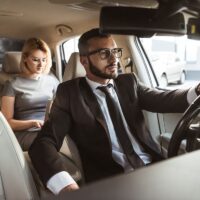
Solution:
(76, 112)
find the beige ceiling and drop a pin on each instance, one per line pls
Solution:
(26, 18)
(40, 17)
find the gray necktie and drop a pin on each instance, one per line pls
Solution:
(120, 130)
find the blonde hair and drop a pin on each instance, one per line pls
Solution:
(35, 44)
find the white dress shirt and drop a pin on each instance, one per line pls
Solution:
(62, 179)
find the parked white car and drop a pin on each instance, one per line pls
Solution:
(168, 68)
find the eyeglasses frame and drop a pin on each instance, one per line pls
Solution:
(99, 50)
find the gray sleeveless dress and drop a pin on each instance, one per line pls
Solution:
(31, 97)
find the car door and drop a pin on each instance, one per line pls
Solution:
(163, 125)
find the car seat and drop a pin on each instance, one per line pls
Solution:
(73, 68)
(16, 181)
(10, 67)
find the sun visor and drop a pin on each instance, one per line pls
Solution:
(141, 22)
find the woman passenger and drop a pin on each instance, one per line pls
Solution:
(25, 98)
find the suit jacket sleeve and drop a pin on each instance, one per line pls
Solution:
(161, 101)
(44, 151)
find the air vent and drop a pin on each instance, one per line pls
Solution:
(96, 4)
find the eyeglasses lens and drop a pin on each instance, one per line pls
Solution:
(106, 53)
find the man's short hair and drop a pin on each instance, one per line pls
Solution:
(83, 40)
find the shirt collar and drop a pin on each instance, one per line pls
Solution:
(94, 84)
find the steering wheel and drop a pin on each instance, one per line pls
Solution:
(184, 129)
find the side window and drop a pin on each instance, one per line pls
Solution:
(69, 47)
(175, 60)
(7, 44)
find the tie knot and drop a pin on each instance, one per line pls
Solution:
(104, 89)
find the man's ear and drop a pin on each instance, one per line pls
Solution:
(84, 61)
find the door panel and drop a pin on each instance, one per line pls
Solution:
(163, 125)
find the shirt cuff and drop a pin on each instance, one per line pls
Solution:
(191, 95)
(58, 181)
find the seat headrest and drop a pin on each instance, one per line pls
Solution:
(11, 62)
(74, 68)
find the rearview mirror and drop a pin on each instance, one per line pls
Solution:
(139, 21)
(193, 28)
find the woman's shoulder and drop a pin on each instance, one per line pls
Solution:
(9, 87)
(12, 80)
(18, 80)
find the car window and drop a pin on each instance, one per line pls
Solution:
(69, 47)
(9, 44)
(175, 60)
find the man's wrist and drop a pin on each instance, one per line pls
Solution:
(59, 181)
(197, 89)
(71, 187)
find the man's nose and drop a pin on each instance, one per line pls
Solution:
(112, 56)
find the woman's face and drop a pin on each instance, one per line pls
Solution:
(36, 61)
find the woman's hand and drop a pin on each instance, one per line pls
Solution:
(37, 123)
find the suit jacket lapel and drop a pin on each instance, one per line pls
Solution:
(92, 102)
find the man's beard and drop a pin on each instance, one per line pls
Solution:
(95, 71)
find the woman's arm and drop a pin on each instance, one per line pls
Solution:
(7, 108)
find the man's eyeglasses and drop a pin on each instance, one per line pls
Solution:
(106, 53)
